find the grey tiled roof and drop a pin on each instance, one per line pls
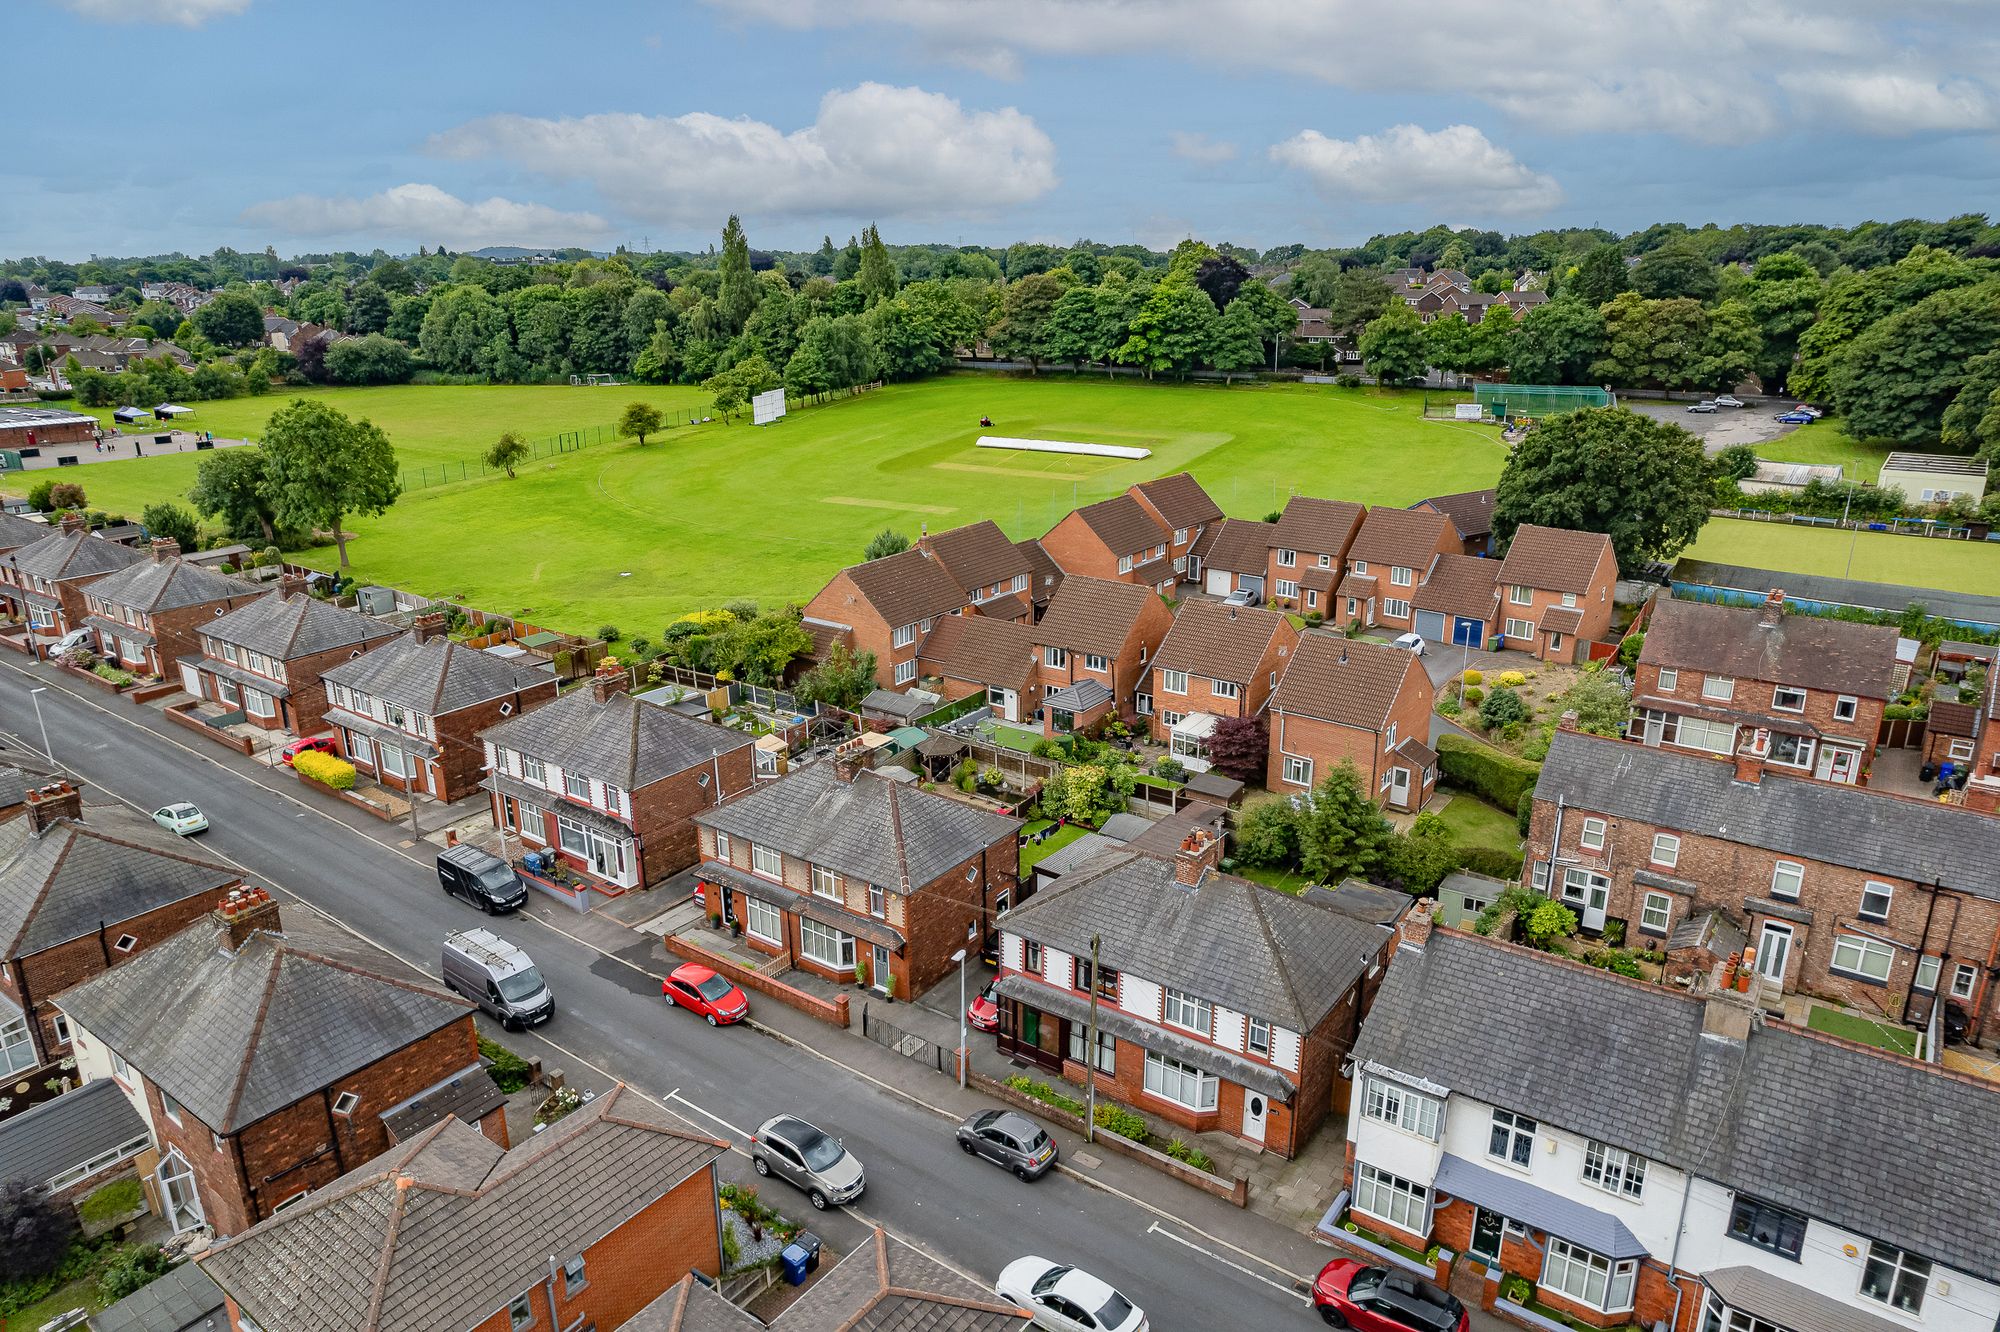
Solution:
(1229, 941)
(1917, 840)
(182, 1300)
(1777, 1301)
(106, 869)
(469, 1095)
(298, 625)
(622, 740)
(22, 770)
(1080, 696)
(1092, 615)
(72, 555)
(435, 677)
(16, 531)
(1805, 650)
(44, 1140)
(257, 1029)
(157, 585)
(870, 828)
(442, 1231)
(1515, 1198)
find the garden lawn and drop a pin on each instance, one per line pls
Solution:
(79, 1294)
(1033, 853)
(1473, 822)
(1850, 1027)
(1284, 880)
(1878, 557)
(1827, 441)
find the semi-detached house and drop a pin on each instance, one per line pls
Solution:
(1218, 661)
(1119, 539)
(995, 572)
(150, 614)
(1386, 560)
(886, 607)
(1367, 704)
(45, 583)
(265, 659)
(1097, 640)
(1644, 1156)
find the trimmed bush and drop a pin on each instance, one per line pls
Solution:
(1495, 777)
(1512, 679)
(1123, 1122)
(1047, 1095)
(325, 769)
(1490, 861)
(1473, 696)
(1475, 676)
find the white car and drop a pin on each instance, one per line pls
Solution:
(75, 638)
(1240, 597)
(1067, 1299)
(181, 819)
(1728, 400)
(1706, 405)
(1411, 643)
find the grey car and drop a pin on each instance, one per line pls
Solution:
(795, 1151)
(1009, 1140)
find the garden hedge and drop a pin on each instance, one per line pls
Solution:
(1498, 778)
(324, 769)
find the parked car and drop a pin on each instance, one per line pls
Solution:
(1728, 400)
(699, 990)
(1411, 643)
(1814, 412)
(1796, 417)
(1705, 405)
(75, 638)
(182, 819)
(497, 976)
(481, 878)
(1067, 1299)
(318, 744)
(1349, 1293)
(1009, 1140)
(799, 1154)
(1240, 597)
(984, 1012)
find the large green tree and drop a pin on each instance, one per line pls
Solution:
(322, 467)
(1972, 422)
(167, 519)
(1341, 832)
(1172, 330)
(1855, 302)
(230, 484)
(1642, 482)
(1673, 271)
(1558, 342)
(1783, 296)
(1651, 344)
(1392, 345)
(1897, 379)
(1273, 317)
(462, 330)
(737, 296)
(1448, 342)
(1237, 344)
(1358, 295)
(375, 359)
(1023, 331)
(877, 272)
(233, 319)
(1601, 276)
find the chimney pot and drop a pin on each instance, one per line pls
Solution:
(611, 678)
(1750, 763)
(73, 523)
(428, 626)
(51, 803)
(291, 585)
(1200, 852)
(1772, 613)
(164, 549)
(244, 912)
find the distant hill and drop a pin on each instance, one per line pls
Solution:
(518, 252)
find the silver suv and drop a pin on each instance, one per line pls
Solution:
(795, 1151)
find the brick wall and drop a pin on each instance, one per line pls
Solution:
(75, 601)
(461, 761)
(841, 602)
(305, 710)
(1077, 550)
(663, 813)
(1755, 696)
(177, 632)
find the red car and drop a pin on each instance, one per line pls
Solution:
(318, 744)
(1374, 1299)
(699, 990)
(984, 1012)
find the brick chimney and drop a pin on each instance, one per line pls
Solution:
(164, 549)
(429, 625)
(1724, 1012)
(290, 585)
(1750, 763)
(1568, 721)
(1201, 851)
(242, 913)
(611, 678)
(1414, 929)
(73, 523)
(849, 759)
(56, 800)
(1772, 613)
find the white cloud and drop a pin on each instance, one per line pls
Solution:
(1455, 168)
(185, 13)
(1709, 70)
(426, 214)
(1202, 150)
(874, 151)
(1892, 103)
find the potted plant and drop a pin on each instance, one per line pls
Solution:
(889, 986)
(861, 972)
(715, 921)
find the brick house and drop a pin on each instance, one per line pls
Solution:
(290, 1045)
(1459, 601)
(886, 607)
(1385, 562)
(83, 891)
(612, 783)
(1181, 506)
(1557, 587)
(1234, 555)
(1471, 515)
(1222, 1005)
(1218, 661)
(1309, 551)
(44, 582)
(409, 712)
(995, 573)
(70, 1147)
(582, 1226)
(1044, 574)
(975, 654)
(1354, 702)
(1527, 1153)
(1118, 539)
(150, 614)
(1101, 633)
(835, 867)
(1981, 746)
(266, 658)
(1814, 688)
(1880, 901)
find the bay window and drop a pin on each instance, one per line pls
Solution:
(1589, 1278)
(826, 945)
(1183, 1084)
(1390, 1198)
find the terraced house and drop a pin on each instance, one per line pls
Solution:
(845, 872)
(150, 614)
(1218, 661)
(44, 582)
(266, 659)
(886, 607)
(1642, 1156)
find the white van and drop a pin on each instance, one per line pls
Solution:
(497, 976)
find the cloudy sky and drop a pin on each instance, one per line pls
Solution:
(188, 124)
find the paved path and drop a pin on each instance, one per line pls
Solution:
(124, 447)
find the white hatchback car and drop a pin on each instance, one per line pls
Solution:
(1067, 1299)
(183, 819)
(1413, 643)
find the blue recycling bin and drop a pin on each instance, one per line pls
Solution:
(794, 1260)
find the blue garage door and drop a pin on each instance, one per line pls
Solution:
(1467, 631)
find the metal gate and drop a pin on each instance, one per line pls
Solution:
(911, 1046)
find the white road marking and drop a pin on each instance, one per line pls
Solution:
(1289, 1289)
(675, 1095)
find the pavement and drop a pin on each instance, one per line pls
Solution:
(1193, 1261)
(119, 448)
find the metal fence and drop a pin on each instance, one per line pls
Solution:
(549, 446)
(911, 1046)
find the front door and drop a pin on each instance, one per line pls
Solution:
(1487, 1228)
(1587, 894)
(1255, 1111)
(1836, 764)
(191, 680)
(1774, 950)
(1399, 787)
(881, 973)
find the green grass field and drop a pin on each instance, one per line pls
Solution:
(1827, 441)
(1877, 557)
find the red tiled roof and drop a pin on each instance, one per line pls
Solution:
(1405, 537)
(1351, 683)
(1553, 559)
(1218, 641)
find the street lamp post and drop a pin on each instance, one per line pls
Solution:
(964, 1054)
(36, 694)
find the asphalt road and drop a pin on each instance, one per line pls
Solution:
(610, 1023)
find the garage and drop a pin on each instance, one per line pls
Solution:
(1433, 625)
(1459, 599)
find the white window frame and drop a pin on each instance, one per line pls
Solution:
(1391, 1198)
(1298, 771)
(826, 882)
(1787, 872)
(1570, 1270)
(1855, 954)
(1670, 679)
(1511, 1140)
(346, 1103)
(1285, 587)
(1407, 1110)
(1875, 888)
(722, 847)
(1124, 564)
(1054, 657)
(762, 921)
(1257, 1037)
(1592, 836)
(1926, 976)
(1173, 682)
(1225, 689)
(17, 1047)
(1846, 707)
(1519, 595)
(1395, 608)
(1719, 688)
(1901, 1267)
(1400, 576)
(1666, 850)
(534, 770)
(906, 671)
(816, 938)
(1182, 1084)
(1521, 629)
(1287, 559)
(1181, 1009)
(1093, 662)
(1964, 980)
(571, 781)
(1782, 692)
(1656, 913)
(904, 636)
(761, 856)
(1615, 1170)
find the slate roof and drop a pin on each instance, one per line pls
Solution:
(1470, 511)
(1554, 559)
(16, 531)
(1321, 526)
(1460, 585)
(1404, 537)
(1079, 696)
(1180, 500)
(1805, 650)
(1044, 574)
(442, 1231)
(1092, 615)
(977, 555)
(1775, 1300)
(1122, 524)
(623, 741)
(1916, 840)
(1348, 682)
(1727, 1111)
(435, 677)
(182, 1300)
(107, 868)
(21, 771)
(980, 650)
(260, 1028)
(1228, 940)
(285, 627)
(157, 585)
(66, 555)
(1217, 641)
(468, 1095)
(1239, 545)
(44, 1140)
(907, 587)
(870, 828)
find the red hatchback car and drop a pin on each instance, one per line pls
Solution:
(699, 990)
(1374, 1299)
(318, 744)
(984, 1012)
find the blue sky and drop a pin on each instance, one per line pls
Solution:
(315, 126)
